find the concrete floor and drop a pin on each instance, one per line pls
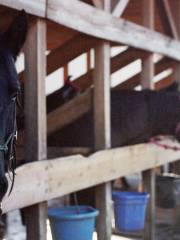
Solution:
(16, 231)
(164, 230)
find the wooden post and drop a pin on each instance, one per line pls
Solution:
(65, 72)
(103, 129)
(35, 115)
(147, 75)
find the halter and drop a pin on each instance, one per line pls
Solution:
(157, 141)
(9, 147)
(4, 147)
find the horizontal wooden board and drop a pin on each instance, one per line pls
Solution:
(39, 181)
(97, 23)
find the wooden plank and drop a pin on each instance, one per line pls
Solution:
(167, 19)
(100, 24)
(119, 8)
(102, 96)
(52, 178)
(35, 102)
(147, 75)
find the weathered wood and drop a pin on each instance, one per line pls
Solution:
(119, 8)
(100, 24)
(52, 178)
(102, 133)
(35, 118)
(147, 75)
(112, 29)
(102, 96)
(102, 128)
(167, 19)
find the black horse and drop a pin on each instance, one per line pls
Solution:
(11, 42)
(136, 117)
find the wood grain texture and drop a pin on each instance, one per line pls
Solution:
(35, 119)
(61, 176)
(147, 75)
(103, 25)
(98, 23)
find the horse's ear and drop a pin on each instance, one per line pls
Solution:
(16, 34)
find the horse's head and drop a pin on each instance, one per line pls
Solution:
(11, 43)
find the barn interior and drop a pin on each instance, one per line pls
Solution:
(58, 34)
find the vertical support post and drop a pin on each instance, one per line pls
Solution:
(66, 72)
(176, 77)
(103, 129)
(35, 115)
(147, 75)
(88, 60)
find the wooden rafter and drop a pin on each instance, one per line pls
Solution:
(100, 24)
(119, 8)
(167, 19)
(112, 29)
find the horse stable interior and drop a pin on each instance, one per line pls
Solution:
(60, 31)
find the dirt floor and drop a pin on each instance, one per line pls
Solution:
(164, 231)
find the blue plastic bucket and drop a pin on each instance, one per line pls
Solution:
(73, 222)
(129, 210)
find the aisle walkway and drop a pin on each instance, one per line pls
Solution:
(17, 232)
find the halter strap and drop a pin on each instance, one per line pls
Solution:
(4, 147)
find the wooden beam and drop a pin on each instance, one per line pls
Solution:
(35, 102)
(102, 128)
(119, 8)
(52, 179)
(167, 19)
(102, 25)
